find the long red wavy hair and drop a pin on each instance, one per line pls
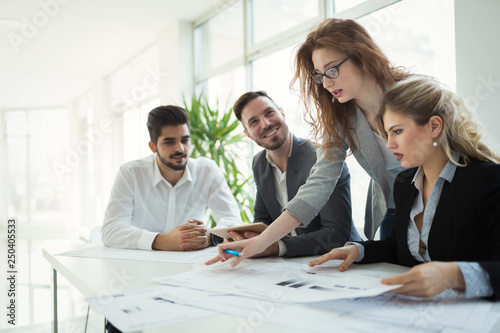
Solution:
(330, 120)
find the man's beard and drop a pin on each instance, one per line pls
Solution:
(171, 165)
(276, 142)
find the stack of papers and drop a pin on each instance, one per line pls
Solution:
(292, 295)
(294, 282)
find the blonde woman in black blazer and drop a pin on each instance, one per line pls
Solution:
(447, 219)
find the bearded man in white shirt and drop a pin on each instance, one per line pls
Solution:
(158, 202)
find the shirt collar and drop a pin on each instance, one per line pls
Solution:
(447, 174)
(157, 176)
(187, 176)
(270, 160)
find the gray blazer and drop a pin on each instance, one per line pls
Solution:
(330, 228)
(326, 172)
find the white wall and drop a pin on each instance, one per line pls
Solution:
(176, 62)
(477, 25)
(165, 68)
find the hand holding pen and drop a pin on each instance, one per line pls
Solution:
(246, 249)
(233, 252)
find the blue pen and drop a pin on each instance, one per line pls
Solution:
(234, 253)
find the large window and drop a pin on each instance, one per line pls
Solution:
(423, 48)
(263, 52)
(226, 87)
(135, 132)
(273, 73)
(220, 39)
(37, 163)
(342, 5)
(270, 18)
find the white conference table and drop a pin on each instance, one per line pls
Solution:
(99, 276)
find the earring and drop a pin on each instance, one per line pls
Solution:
(434, 144)
(333, 99)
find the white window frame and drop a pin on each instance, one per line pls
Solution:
(283, 39)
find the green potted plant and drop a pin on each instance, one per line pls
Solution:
(213, 136)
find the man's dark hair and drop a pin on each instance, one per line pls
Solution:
(246, 98)
(165, 115)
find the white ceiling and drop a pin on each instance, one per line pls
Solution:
(77, 42)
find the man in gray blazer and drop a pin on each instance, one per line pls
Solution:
(279, 170)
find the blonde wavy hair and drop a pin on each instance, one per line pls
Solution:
(421, 97)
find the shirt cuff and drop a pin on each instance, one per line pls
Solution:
(361, 249)
(282, 248)
(477, 281)
(146, 240)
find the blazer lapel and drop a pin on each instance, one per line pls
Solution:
(404, 213)
(404, 202)
(268, 192)
(442, 228)
(293, 168)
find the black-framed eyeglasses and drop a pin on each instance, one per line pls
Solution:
(331, 73)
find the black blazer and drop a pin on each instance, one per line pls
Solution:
(466, 225)
(330, 228)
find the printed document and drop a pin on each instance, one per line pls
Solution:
(299, 283)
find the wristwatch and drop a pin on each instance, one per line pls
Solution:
(216, 239)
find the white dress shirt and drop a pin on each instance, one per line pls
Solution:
(281, 192)
(143, 204)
